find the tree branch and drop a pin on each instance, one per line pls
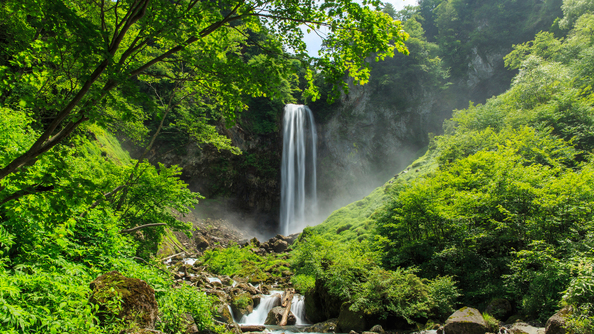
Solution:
(130, 230)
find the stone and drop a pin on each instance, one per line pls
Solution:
(466, 320)
(223, 314)
(190, 324)
(377, 329)
(499, 308)
(523, 328)
(276, 315)
(247, 288)
(328, 326)
(279, 246)
(255, 242)
(138, 303)
(256, 300)
(241, 305)
(350, 320)
(201, 242)
(556, 323)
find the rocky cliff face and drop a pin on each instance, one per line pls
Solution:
(371, 136)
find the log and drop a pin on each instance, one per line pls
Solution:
(252, 328)
(286, 303)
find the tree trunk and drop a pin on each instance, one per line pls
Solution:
(286, 303)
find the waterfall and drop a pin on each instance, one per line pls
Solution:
(298, 309)
(258, 316)
(298, 169)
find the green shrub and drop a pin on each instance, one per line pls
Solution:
(403, 294)
(580, 296)
(303, 283)
(177, 302)
(234, 260)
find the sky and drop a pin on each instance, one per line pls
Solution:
(314, 42)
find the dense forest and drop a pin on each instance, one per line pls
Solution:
(498, 209)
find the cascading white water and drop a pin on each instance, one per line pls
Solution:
(298, 169)
(298, 309)
(268, 302)
(258, 316)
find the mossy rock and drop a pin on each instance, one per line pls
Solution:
(129, 299)
(242, 304)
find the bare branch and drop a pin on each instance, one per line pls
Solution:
(130, 230)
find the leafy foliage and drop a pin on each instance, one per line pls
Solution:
(351, 272)
(234, 260)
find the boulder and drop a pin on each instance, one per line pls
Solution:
(466, 320)
(241, 305)
(350, 320)
(246, 287)
(377, 329)
(223, 314)
(524, 328)
(255, 242)
(556, 323)
(276, 315)
(201, 242)
(138, 303)
(328, 326)
(499, 308)
(279, 246)
(256, 300)
(291, 238)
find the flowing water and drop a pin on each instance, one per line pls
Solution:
(298, 169)
(258, 316)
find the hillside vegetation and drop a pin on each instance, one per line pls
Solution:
(503, 201)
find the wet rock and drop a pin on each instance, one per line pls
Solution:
(499, 308)
(241, 305)
(328, 326)
(466, 320)
(256, 300)
(138, 303)
(524, 328)
(276, 315)
(223, 314)
(377, 329)
(556, 323)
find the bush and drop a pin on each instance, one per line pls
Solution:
(403, 294)
(234, 260)
(185, 300)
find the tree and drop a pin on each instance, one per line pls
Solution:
(76, 61)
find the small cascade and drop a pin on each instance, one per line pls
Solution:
(268, 302)
(298, 309)
(298, 169)
(258, 316)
